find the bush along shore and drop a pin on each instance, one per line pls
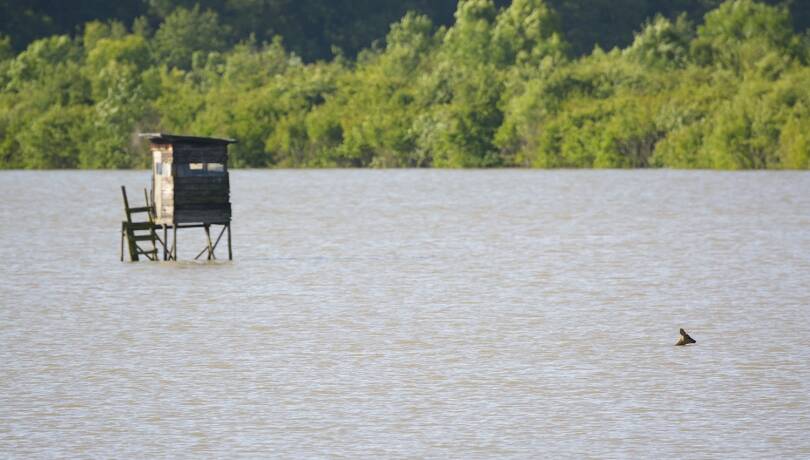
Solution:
(497, 87)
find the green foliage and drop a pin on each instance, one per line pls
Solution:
(186, 32)
(527, 33)
(496, 88)
(794, 143)
(312, 27)
(741, 34)
(42, 61)
(50, 141)
(95, 31)
(663, 43)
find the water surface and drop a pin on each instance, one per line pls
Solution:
(465, 314)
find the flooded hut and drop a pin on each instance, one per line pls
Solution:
(190, 189)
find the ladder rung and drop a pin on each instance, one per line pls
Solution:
(141, 226)
(141, 209)
(142, 237)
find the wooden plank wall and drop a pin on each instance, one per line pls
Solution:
(203, 198)
(167, 197)
(207, 214)
(165, 215)
(191, 153)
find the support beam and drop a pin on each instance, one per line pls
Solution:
(230, 253)
(212, 249)
(169, 241)
(123, 235)
(210, 246)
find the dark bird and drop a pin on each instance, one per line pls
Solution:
(685, 339)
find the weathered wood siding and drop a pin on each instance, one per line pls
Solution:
(194, 153)
(203, 199)
(206, 214)
(192, 195)
(163, 191)
(167, 196)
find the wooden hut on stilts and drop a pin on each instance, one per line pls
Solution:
(190, 189)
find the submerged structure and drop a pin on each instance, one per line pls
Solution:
(190, 189)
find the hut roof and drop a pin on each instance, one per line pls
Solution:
(163, 138)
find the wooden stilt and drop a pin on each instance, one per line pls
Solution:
(131, 231)
(212, 249)
(210, 246)
(133, 247)
(123, 234)
(151, 215)
(230, 252)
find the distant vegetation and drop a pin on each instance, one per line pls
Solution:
(528, 83)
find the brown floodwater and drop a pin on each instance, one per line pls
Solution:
(368, 314)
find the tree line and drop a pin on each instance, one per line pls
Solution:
(526, 83)
(312, 29)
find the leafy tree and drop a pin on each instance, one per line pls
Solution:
(526, 33)
(741, 33)
(51, 139)
(188, 31)
(663, 43)
(794, 142)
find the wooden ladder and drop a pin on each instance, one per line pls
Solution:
(129, 229)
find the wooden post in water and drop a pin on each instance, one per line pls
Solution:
(123, 235)
(210, 246)
(165, 242)
(150, 213)
(133, 246)
(230, 252)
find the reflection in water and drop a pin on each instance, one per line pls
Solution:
(414, 313)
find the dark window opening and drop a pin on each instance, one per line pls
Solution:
(201, 169)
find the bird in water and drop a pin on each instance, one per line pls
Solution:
(685, 339)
